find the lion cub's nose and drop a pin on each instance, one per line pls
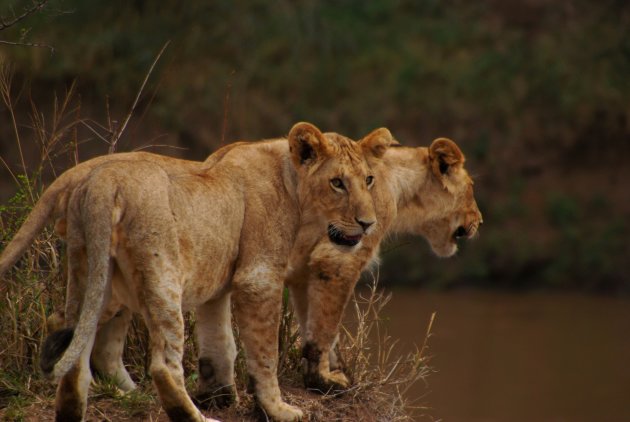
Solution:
(364, 224)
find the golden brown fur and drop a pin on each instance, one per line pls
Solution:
(412, 195)
(424, 191)
(159, 238)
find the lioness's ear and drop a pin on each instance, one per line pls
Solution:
(307, 144)
(443, 155)
(377, 142)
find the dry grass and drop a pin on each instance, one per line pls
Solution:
(34, 288)
(379, 370)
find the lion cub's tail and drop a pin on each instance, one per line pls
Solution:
(52, 200)
(34, 224)
(104, 214)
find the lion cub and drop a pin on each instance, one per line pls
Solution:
(162, 236)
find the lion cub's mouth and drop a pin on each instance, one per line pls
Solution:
(338, 237)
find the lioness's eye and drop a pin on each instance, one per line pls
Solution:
(369, 180)
(337, 183)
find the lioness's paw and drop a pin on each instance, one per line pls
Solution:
(284, 412)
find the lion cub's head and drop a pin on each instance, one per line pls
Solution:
(335, 181)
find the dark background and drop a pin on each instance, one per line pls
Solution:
(536, 93)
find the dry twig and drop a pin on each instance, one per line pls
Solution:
(37, 6)
(118, 133)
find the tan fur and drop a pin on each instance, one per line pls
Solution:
(412, 196)
(424, 191)
(160, 238)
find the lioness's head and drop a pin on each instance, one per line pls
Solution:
(443, 209)
(335, 180)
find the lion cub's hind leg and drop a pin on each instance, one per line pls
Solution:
(110, 338)
(72, 391)
(109, 347)
(161, 307)
(217, 353)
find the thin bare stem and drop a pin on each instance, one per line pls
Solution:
(119, 132)
(6, 78)
(15, 179)
(226, 107)
(143, 147)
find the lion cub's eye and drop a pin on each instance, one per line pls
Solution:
(369, 180)
(337, 183)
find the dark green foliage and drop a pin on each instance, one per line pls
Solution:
(349, 65)
(531, 91)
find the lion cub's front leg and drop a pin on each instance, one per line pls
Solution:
(327, 295)
(320, 373)
(257, 309)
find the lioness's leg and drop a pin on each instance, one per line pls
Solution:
(108, 349)
(161, 307)
(327, 299)
(257, 313)
(217, 352)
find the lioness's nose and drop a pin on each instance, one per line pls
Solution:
(460, 232)
(364, 224)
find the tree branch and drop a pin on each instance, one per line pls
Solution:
(37, 6)
(29, 44)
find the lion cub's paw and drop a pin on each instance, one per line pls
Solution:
(331, 382)
(218, 398)
(284, 412)
(339, 378)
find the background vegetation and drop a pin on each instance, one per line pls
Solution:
(535, 92)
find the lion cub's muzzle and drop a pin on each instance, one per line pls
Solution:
(339, 237)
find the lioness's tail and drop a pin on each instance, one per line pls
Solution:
(97, 223)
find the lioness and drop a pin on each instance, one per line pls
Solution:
(186, 240)
(423, 191)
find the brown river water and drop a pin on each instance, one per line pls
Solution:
(519, 357)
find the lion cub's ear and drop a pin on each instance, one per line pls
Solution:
(444, 154)
(376, 142)
(307, 144)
